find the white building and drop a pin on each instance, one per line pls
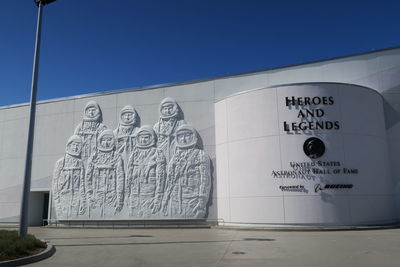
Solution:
(311, 144)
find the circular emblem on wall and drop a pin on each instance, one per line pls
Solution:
(314, 147)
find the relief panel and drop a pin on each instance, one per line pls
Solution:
(132, 172)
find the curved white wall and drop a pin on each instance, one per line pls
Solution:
(252, 145)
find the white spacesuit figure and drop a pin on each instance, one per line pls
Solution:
(188, 179)
(68, 187)
(166, 126)
(90, 128)
(125, 133)
(146, 176)
(105, 179)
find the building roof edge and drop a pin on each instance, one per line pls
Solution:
(220, 77)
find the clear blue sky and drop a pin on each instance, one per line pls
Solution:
(102, 45)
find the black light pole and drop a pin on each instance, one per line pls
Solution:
(23, 226)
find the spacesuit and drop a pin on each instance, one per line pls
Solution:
(166, 126)
(146, 176)
(105, 178)
(188, 179)
(68, 187)
(89, 129)
(125, 133)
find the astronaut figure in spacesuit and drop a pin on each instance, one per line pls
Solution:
(165, 128)
(105, 179)
(125, 133)
(89, 129)
(188, 179)
(146, 176)
(68, 187)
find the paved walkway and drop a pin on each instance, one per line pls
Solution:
(219, 247)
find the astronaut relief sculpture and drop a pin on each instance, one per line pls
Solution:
(132, 172)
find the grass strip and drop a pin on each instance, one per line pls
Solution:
(12, 246)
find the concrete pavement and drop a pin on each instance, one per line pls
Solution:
(220, 247)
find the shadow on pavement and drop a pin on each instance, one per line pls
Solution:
(168, 242)
(96, 237)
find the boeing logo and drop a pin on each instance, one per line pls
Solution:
(319, 187)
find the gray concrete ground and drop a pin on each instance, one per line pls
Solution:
(220, 247)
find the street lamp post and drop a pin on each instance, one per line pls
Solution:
(23, 226)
